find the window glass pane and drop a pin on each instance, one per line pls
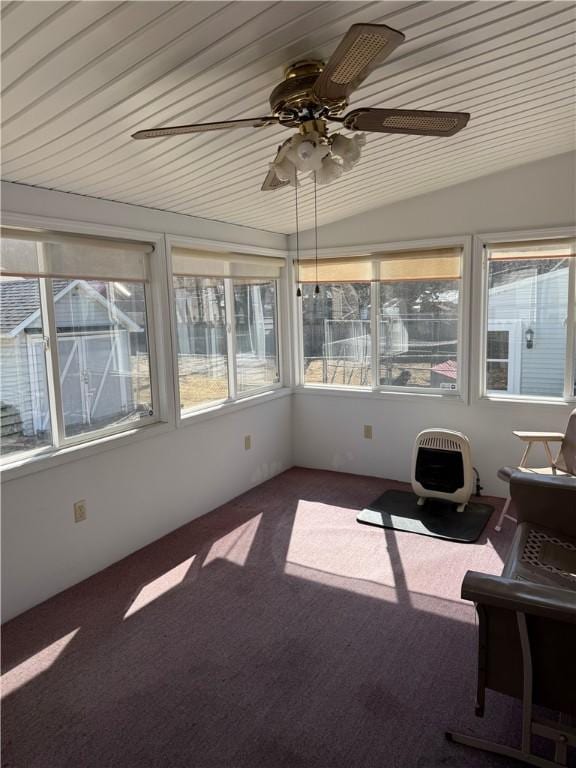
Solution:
(336, 329)
(527, 311)
(201, 335)
(497, 375)
(102, 353)
(24, 409)
(256, 340)
(419, 333)
(497, 345)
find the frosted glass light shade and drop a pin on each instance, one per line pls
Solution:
(330, 170)
(285, 171)
(307, 153)
(348, 150)
(315, 154)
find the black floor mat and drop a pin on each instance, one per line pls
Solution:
(398, 510)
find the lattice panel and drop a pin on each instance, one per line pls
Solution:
(532, 554)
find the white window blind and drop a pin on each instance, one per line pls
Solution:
(543, 249)
(397, 266)
(30, 253)
(346, 270)
(434, 264)
(195, 263)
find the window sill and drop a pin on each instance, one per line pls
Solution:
(44, 460)
(518, 400)
(380, 394)
(226, 407)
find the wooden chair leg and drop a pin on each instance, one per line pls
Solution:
(503, 514)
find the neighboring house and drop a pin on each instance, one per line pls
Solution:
(526, 339)
(94, 357)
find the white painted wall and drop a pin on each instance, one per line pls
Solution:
(328, 432)
(137, 492)
(134, 495)
(35, 201)
(540, 194)
(328, 429)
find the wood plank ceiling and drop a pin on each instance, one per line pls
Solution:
(79, 77)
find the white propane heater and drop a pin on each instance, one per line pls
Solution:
(442, 467)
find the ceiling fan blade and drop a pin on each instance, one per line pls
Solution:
(417, 122)
(362, 48)
(272, 182)
(254, 122)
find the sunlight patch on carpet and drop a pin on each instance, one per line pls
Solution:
(164, 583)
(35, 665)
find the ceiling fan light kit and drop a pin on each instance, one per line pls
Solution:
(313, 152)
(314, 93)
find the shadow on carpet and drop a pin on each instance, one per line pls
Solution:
(399, 510)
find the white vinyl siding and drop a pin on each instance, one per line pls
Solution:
(538, 303)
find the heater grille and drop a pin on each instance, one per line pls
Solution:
(439, 442)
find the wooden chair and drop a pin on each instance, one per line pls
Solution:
(563, 464)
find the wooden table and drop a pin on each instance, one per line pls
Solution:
(538, 437)
(530, 438)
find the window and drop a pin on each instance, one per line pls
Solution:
(414, 330)
(226, 320)
(256, 335)
(201, 340)
(529, 314)
(419, 319)
(336, 330)
(103, 355)
(24, 412)
(74, 339)
(336, 325)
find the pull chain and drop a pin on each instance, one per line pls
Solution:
(317, 289)
(298, 290)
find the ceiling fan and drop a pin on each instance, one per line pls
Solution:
(313, 93)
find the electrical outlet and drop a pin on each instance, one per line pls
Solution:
(80, 512)
(247, 442)
(368, 431)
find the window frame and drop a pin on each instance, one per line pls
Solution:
(511, 327)
(267, 387)
(188, 415)
(61, 444)
(300, 362)
(461, 393)
(481, 245)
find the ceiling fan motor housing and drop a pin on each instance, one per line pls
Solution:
(293, 99)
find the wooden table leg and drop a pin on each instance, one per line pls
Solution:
(524, 458)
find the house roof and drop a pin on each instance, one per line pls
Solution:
(448, 368)
(19, 299)
(20, 304)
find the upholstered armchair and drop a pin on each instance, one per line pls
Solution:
(527, 619)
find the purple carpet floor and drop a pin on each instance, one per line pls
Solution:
(274, 632)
